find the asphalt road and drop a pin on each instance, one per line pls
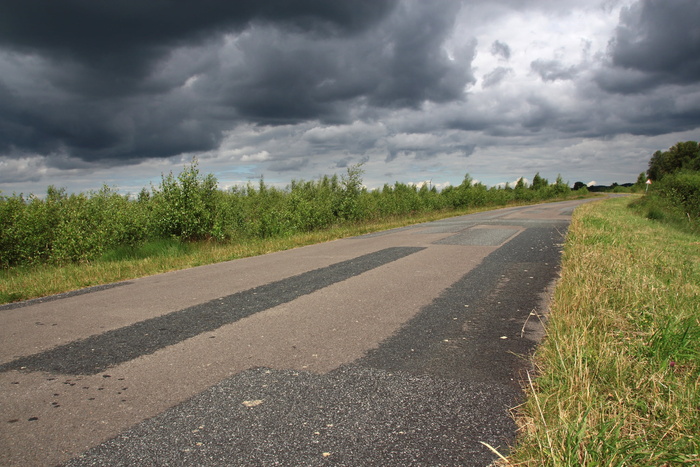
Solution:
(406, 347)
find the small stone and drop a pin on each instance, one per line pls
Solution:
(253, 403)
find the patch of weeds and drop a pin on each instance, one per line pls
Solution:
(655, 214)
(8, 297)
(676, 340)
(159, 248)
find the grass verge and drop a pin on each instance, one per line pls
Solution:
(618, 378)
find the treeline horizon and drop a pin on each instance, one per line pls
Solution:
(81, 227)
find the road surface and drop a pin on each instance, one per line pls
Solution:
(405, 347)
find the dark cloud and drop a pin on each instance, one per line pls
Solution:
(496, 76)
(656, 42)
(289, 165)
(130, 79)
(133, 31)
(471, 122)
(500, 49)
(414, 66)
(289, 77)
(541, 113)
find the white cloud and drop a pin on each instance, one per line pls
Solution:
(257, 157)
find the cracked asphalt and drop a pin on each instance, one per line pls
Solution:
(405, 347)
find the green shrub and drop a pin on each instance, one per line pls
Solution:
(185, 206)
(683, 189)
(655, 214)
(22, 230)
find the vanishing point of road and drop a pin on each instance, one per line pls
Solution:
(404, 347)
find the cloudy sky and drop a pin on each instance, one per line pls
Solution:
(120, 92)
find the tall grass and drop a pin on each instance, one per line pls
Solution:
(618, 380)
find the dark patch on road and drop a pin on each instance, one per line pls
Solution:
(350, 416)
(472, 331)
(479, 237)
(96, 353)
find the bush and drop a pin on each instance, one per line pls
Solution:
(24, 231)
(683, 189)
(185, 206)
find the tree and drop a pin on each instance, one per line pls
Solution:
(186, 204)
(682, 155)
(352, 188)
(538, 182)
(467, 182)
(560, 187)
(655, 171)
(579, 185)
(352, 180)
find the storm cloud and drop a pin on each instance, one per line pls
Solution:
(130, 79)
(120, 91)
(657, 42)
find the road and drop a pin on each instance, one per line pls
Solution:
(405, 347)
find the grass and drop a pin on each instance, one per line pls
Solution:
(618, 380)
(124, 263)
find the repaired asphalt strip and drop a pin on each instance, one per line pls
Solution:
(96, 353)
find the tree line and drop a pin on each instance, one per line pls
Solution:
(189, 206)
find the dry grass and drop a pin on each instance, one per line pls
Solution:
(619, 371)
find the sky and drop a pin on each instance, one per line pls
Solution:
(417, 91)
